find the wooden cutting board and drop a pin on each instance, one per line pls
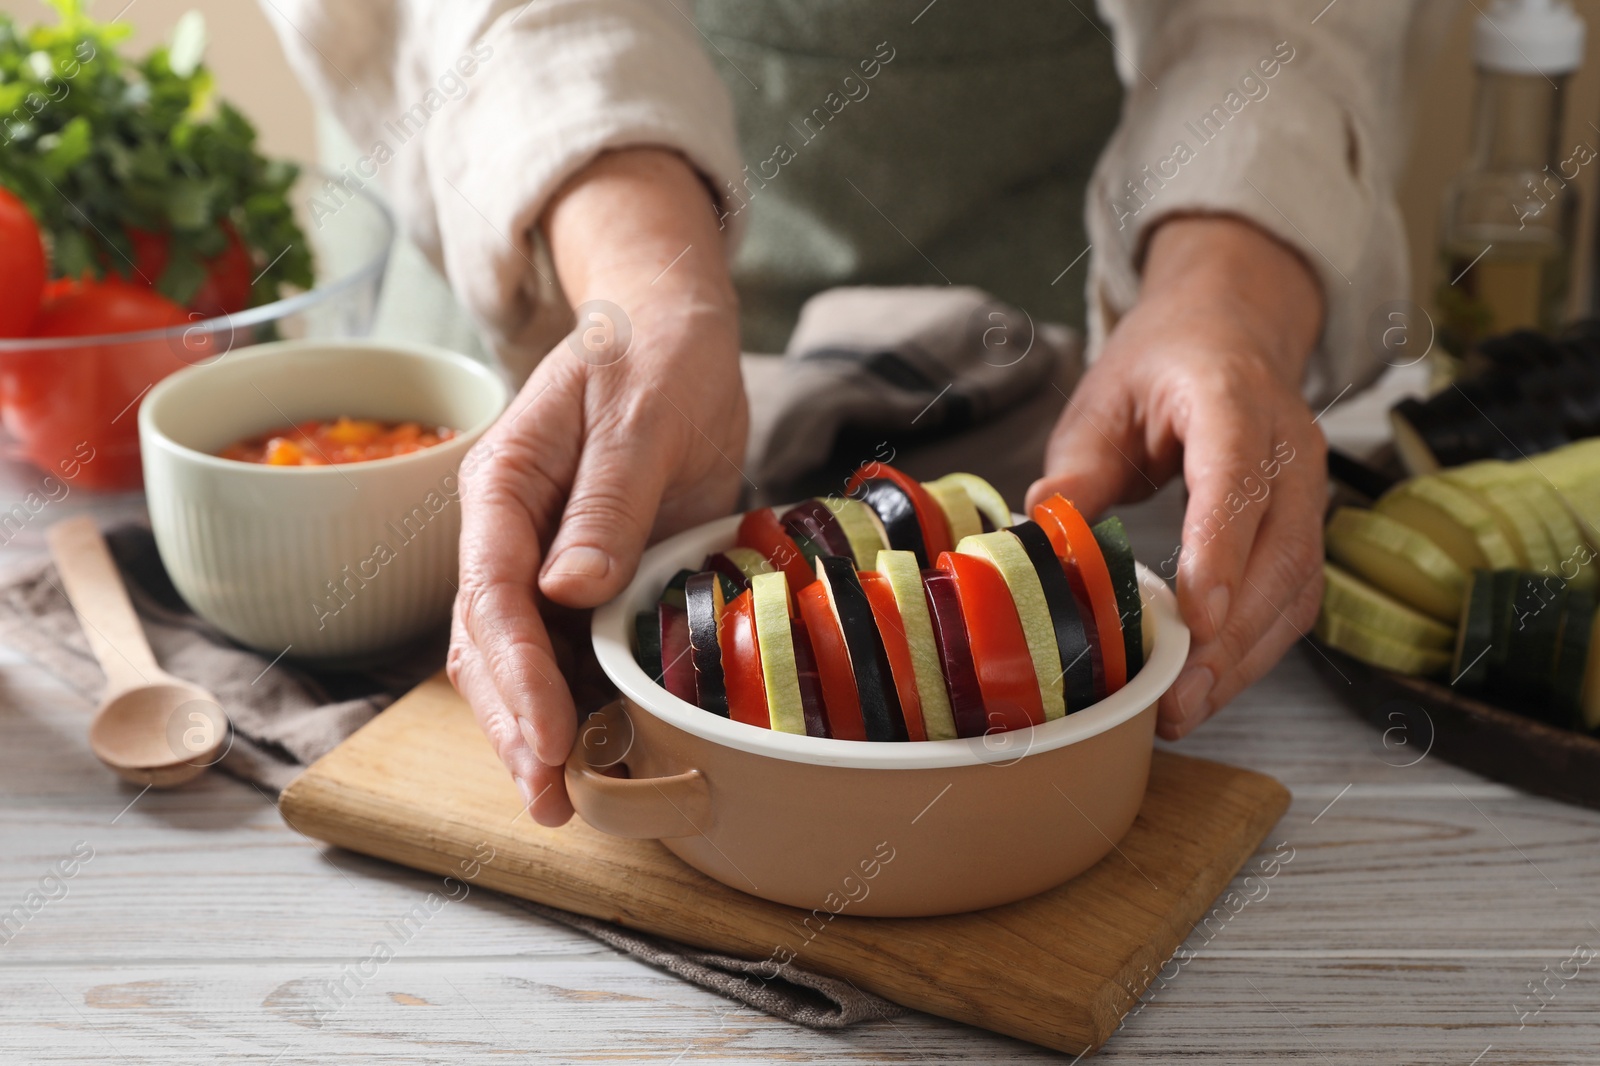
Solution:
(420, 786)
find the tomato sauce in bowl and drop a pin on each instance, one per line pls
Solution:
(342, 440)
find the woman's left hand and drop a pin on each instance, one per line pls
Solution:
(1203, 376)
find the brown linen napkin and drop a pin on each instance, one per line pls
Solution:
(285, 717)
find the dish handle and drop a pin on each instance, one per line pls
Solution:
(649, 808)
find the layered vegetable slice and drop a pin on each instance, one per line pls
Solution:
(703, 593)
(957, 506)
(812, 706)
(880, 594)
(984, 497)
(777, 650)
(1069, 623)
(839, 698)
(741, 663)
(677, 666)
(1077, 548)
(1347, 595)
(860, 526)
(897, 513)
(900, 569)
(955, 653)
(934, 529)
(881, 716)
(761, 531)
(1006, 676)
(1117, 551)
(1003, 551)
(1398, 560)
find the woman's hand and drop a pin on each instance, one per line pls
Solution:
(1203, 375)
(631, 429)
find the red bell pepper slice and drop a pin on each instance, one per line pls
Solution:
(1079, 552)
(1000, 655)
(930, 516)
(880, 594)
(761, 530)
(839, 697)
(741, 663)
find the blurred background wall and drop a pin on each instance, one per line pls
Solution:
(251, 71)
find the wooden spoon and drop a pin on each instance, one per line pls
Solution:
(151, 728)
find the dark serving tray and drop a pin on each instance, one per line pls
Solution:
(1430, 718)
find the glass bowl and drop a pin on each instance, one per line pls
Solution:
(69, 405)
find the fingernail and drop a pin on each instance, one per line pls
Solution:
(526, 790)
(581, 561)
(525, 727)
(1217, 608)
(1191, 692)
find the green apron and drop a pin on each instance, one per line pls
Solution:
(879, 150)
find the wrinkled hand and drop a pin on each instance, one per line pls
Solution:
(1202, 376)
(629, 430)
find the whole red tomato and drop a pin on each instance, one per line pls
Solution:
(22, 267)
(64, 403)
(226, 288)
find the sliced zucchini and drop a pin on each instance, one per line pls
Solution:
(769, 594)
(957, 506)
(861, 528)
(1538, 551)
(905, 578)
(1005, 552)
(1452, 517)
(1398, 560)
(1591, 681)
(1347, 595)
(1565, 538)
(984, 496)
(1531, 658)
(1118, 552)
(1359, 642)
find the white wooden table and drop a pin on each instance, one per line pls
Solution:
(1419, 904)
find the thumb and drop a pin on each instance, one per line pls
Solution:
(607, 520)
(1093, 460)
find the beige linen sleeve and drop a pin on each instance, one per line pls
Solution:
(1293, 116)
(472, 113)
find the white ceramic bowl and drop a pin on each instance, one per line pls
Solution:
(332, 562)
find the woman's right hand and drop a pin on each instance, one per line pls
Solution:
(631, 429)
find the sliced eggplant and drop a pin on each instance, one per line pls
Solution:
(893, 506)
(880, 703)
(1072, 636)
(703, 592)
(955, 653)
(1080, 596)
(1118, 553)
(813, 520)
(805, 663)
(734, 579)
(677, 659)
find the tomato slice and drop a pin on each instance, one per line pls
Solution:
(1000, 654)
(880, 594)
(741, 662)
(761, 530)
(839, 697)
(930, 516)
(1078, 550)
